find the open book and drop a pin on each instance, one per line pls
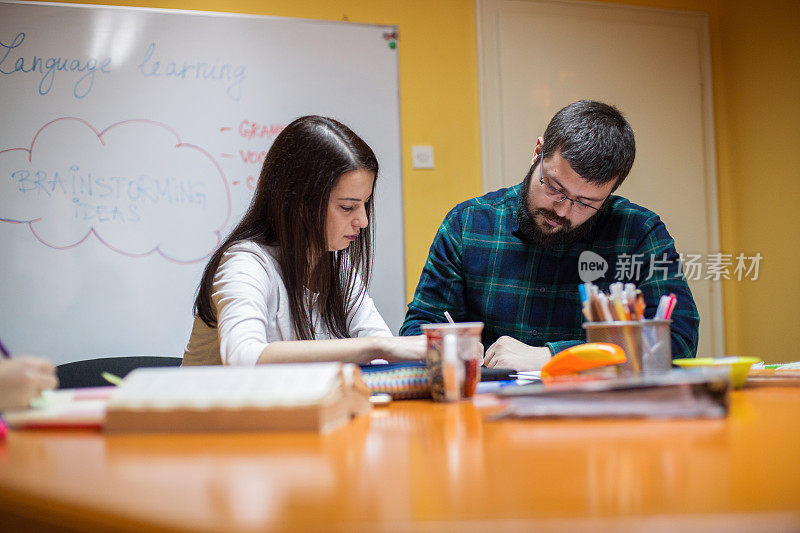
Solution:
(312, 396)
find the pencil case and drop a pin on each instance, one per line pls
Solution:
(402, 381)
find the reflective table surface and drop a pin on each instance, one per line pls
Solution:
(422, 466)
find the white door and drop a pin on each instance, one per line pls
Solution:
(536, 56)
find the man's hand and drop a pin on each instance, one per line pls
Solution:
(511, 353)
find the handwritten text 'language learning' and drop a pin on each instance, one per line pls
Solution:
(153, 66)
(110, 198)
(47, 67)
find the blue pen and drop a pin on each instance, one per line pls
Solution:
(494, 386)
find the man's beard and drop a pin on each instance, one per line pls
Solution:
(533, 234)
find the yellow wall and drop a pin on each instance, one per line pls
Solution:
(760, 45)
(755, 52)
(755, 49)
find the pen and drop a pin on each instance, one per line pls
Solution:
(448, 317)
(4, 351)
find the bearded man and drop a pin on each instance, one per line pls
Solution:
(511, 258)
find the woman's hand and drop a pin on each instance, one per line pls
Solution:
(23, 379)
(402, 348)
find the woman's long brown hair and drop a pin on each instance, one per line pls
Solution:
(289, 209)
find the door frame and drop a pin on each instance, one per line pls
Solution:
(492, 135)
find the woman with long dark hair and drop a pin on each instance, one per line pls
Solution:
(288, 284)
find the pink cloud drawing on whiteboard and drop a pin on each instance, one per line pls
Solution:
(135, 186)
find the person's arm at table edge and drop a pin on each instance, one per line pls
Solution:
(357, 350)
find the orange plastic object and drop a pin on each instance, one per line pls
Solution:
(583, 357)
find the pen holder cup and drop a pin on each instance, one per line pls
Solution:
(453, 359)
(647, 343)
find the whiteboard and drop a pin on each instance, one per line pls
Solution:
(130, 143)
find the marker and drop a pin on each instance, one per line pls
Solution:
(5, 352)
(449, 318)
(615, 290)
(630, 291)
(663, 304)
(670, 306)
(596, 308)
(605, 309)
(585, 293)
(621, 311)
(111, 378)
(641, 306)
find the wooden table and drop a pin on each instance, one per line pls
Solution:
(423, 466)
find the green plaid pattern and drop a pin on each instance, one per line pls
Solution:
(479, 269)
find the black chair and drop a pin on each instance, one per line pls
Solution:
(88, 373)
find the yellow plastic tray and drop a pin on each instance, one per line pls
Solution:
(740, 366)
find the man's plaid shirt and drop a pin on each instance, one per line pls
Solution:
(479, 269)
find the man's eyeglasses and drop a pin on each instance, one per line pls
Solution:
(558, 196)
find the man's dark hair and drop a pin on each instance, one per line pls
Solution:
(595, 139)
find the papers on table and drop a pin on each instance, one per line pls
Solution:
(700, 393)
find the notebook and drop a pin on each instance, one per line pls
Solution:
(63, 408)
